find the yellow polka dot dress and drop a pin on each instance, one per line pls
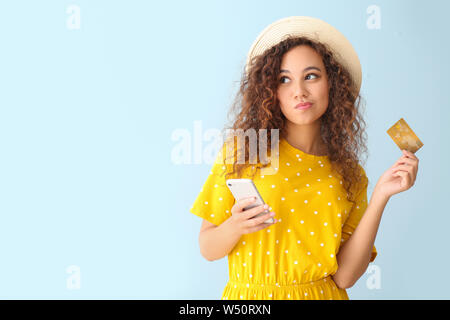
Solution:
(295, 257)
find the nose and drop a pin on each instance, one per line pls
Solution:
(300, 90)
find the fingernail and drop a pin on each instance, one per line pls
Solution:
(266, 206)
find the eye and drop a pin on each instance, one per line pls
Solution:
(309, 74)
(281, 79)
(312, 74)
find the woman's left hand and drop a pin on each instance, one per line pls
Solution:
(400, 177)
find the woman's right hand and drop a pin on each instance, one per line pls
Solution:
(242, 221)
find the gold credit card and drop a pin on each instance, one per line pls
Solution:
(404, 137)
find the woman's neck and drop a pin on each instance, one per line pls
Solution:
(307, 139)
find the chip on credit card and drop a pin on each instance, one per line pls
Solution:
(404, 137)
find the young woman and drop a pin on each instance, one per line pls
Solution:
(323, 236)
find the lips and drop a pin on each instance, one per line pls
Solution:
(304, 105)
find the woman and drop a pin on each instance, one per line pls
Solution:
(303, 78)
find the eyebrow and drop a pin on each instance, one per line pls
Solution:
(306, 69)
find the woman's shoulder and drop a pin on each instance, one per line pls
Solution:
(227, 159)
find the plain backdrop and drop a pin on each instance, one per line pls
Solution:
(92, 203)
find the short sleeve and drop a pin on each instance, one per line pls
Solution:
(356, 213)
(215, 200)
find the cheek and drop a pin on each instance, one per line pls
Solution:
(322, 96)
(281, 95)
(282, 101)
(324, 90)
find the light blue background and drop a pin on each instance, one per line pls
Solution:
(86, 118)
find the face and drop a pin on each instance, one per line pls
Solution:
(302, 78)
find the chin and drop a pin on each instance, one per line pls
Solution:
(298, 120)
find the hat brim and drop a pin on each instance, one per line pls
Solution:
(312, 28)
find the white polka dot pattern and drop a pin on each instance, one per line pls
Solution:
(291, 258)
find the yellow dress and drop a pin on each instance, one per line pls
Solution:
(295, 257)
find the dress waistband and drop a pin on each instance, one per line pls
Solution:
(240, 283)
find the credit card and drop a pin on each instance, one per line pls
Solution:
(404, 137)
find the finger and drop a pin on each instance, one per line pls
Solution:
(400, 160)
(410, 162)
(242, 203)
(401, 174)
(409, 154)
(408, 179)
(256, 221)
(258, 227)
(406, 176)
(405, 159)
(409, 169)
(248, 214)
(403, 167)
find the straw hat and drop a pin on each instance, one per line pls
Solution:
(315, 29)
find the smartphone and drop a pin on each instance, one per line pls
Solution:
(245, 188)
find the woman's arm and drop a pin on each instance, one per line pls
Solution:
(217, 241)
(354, 255)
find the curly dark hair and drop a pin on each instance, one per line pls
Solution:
(342, 126)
